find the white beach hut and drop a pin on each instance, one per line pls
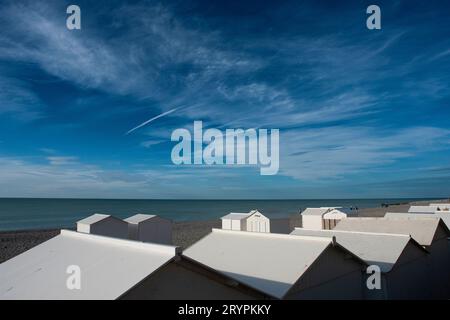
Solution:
(254, 221)
(105, 225)
(111, 268)
(312, 218)
(399, 258)
(325, 217)
(257, 222)
(332, 217)
(431, 233)
(282, 266)
(149, 228)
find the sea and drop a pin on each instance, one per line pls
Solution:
(27, 213)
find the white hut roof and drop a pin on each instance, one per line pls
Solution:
(315, 211)
(383, 250)
(96, 217)
(138, 218)
(256, 213)
(109, 267)
(270, 263)
(237, 216)
(422, 209)
(340, 211)
(445, 217)
(422, 230)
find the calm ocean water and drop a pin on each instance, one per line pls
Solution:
(19, 214)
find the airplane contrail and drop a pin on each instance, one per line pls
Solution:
(152, 119)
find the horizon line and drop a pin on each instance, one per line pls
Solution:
(225, 199)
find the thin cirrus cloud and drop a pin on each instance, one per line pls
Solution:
(18, 101)
(151, 120)
(62, 161)
(336, 152)
(83, 60)
(90, 62)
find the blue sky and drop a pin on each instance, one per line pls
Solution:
(362, 113)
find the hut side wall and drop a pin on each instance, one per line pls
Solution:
(111, 228)
(335, 275)
(155, 230)
(409, 277)
(175, 282)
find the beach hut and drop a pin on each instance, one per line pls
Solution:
(240, 222)
(105, 225)
(149, 228)
(282, 266)
(399, 258)
(257, 222)
(430, 233)
(332, 217)
(312, 218)
(84, 266)
(325, 217)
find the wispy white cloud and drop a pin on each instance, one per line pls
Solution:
(48, 150)
(440, 55)
(152, 119)
(62, 161)
(326, 155)
(150, 143)
(17, 100)
(128, 63)
(85, 60)
(64, 177)
(339, 152)
(157, 44)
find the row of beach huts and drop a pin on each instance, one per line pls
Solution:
(335, 254)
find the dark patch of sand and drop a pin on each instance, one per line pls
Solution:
(184, 234)
(13, 243)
